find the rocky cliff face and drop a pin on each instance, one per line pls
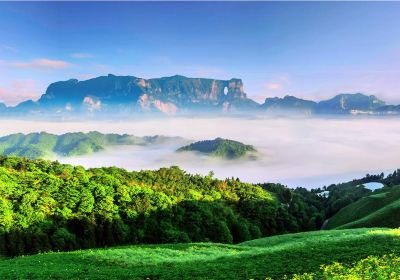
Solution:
(169, 95)
(126, 95)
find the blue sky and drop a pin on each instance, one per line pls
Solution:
(308, 49)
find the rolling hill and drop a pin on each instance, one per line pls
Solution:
(219, 147)
(39, 145)
(257, 259)
(379, 209)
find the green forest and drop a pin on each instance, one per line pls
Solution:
(45, 205)
(219, 147)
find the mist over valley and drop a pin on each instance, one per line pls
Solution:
(308, 152)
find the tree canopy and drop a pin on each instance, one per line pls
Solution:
(45, 205)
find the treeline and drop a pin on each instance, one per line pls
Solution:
(343, 194)
(220, 147)
(46, 205)
(306, 206)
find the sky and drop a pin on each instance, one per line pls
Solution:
(312, 50)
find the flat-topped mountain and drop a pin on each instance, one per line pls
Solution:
(219, 147)
(129, 95)
(42, 145)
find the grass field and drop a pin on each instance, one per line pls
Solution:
(378, 210)
(257, 259)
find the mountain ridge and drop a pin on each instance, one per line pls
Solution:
(47, 145)
(173, 95)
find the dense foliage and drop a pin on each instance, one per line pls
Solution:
(392, 179)
(219, 147)
(348, 193)
(372, 267)
(46, 205)
(307, 206)
(257, 259)
(343, 194)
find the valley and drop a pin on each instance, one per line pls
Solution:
(305, 152)
(199, 140)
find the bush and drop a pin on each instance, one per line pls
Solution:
(372, 267)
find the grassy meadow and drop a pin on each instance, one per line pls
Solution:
(273, 257)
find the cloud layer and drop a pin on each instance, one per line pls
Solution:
(297, 152)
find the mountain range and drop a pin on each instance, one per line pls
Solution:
(46, 145)
(129, 95)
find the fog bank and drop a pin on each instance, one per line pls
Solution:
(297, 152)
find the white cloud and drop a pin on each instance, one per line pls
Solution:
(82, 55)
(17, 91)
(274, 86)
(41, 63)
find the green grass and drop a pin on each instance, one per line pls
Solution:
(257, 259)
(377, 210)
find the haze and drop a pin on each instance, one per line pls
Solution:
(308, 152)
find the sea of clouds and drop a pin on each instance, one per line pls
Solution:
(308, 152)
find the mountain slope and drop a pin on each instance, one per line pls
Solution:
(379, 209)
(39, 145)
(257, 259)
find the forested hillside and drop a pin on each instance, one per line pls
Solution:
(46, 145)
(46, 205)
(379, 209)
(219, 147)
